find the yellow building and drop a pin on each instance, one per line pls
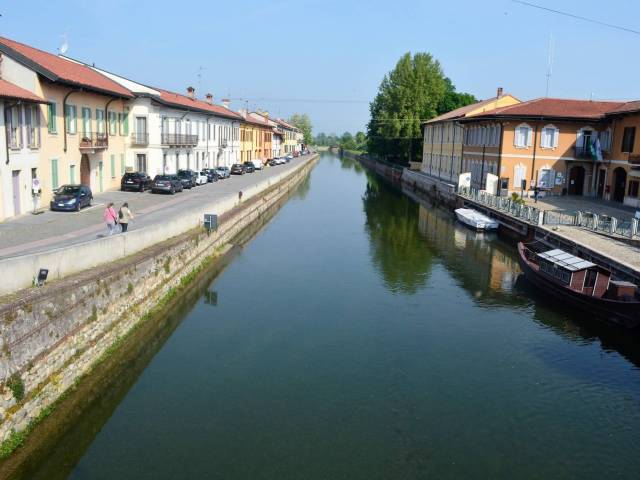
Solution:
(255, 137)
(82, 127)
(443, 137)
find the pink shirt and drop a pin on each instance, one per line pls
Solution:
(109, 215)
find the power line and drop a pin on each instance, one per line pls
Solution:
(299, 100)
(578, 17)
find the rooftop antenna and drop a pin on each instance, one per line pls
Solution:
(65, 45)
(549, 63)
(199, 74)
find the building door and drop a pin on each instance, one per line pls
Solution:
(619, 184)
(576, 180)
(602, 177)
(85, 170)
(15, 177)
(141, 162)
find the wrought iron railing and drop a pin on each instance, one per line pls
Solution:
(629, 227)
(140, 138)
(179, 139)
(93, 140)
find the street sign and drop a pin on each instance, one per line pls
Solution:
(210, 221)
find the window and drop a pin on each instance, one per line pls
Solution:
(100, 121)
(522, 137)
(112, 123)
(54, 173)
(519, 174)
(86, 120)
(546, 178)
(71, 117)
(122, 168)
(125, 124)
(113, 166)
(590, 278)
(12, 121)
(605, 140)
(72, 174)
(628, 139)
(549, 137)
(32, 122)
(52, 124)
(634, 187)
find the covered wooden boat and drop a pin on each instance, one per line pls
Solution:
(475, 220)
(584, 284)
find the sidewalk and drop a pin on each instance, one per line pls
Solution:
(49, 230)
(573, 203)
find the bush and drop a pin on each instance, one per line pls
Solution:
(16, 385)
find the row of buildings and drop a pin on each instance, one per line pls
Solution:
(556, 146)
(67, 122)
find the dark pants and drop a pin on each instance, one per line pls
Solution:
(124, 227)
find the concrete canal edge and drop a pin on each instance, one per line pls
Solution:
(55, 336)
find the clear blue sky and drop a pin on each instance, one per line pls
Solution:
(301, 53)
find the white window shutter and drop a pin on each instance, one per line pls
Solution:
(529, 137)
(556, 136)
(543, 138)
(579, 139)
(516, 136)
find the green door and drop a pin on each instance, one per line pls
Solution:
(100, 172)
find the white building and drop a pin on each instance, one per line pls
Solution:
(170, 131)
(20, 144)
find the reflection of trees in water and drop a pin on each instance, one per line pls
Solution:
(303, 188)
(347, 163)
(397, 248)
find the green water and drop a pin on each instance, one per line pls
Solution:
(364, 335)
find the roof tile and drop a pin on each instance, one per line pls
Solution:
(9, 90)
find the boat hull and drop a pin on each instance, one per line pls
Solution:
(475, 220)
(624, 314)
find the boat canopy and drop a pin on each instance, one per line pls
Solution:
(565, 260)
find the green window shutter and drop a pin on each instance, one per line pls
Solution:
(122, 164)
(54, 173)
(113, 166)
(125, 123)
(52, 118)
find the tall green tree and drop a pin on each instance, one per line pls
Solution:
(303, 122)
(416, 90)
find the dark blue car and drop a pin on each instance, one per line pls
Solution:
(71, 198)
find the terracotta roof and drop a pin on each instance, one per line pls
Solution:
(58, 69)
(555, 108)
(462, 111)
(257, 119)
(9, 90)
(626, 107)
(179, 100)
(285, 124)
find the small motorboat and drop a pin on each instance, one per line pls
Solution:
(581, 283)
(476, 220)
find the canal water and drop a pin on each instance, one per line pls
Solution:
(363, 334)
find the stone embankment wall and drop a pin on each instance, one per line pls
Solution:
(52, 336)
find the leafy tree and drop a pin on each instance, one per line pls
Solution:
(302, 121)
(321, 139)
(452, 99)
(416, 90)
(347, 142)
(361, 141)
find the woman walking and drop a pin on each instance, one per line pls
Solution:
(109, 217)
(124, 215)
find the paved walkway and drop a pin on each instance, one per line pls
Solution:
(36, 233)
(571, 203)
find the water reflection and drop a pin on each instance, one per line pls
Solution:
(398, 250)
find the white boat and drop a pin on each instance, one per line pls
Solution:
(476, 220)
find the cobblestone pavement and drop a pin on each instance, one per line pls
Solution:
(33, 233)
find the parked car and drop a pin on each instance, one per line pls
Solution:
(257, 164)
(166, 183)
(212, 175)
(273, 162)
(249, 167)
(71, 198)
(223, 172)
(289, 157)
(188, 178)
(138, 181)
(238, 169)
(202, 178)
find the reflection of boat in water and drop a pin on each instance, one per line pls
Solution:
(475, 220)
(584, 284)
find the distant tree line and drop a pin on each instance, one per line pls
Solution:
(416, 90)
(347, 141)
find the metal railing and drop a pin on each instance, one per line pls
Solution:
(140, 138)
(93, 140)
(629, 227)
(179, 139)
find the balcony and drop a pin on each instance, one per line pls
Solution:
(139, 139)
(584, 153)
(92, 141)
(633, 159)
(179, 139)
(224, 143)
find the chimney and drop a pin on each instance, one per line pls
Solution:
(225, 102)
(499, 94)
(191, 93)
(209, 98)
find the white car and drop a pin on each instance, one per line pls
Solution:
(258, 164)
(202, 178)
